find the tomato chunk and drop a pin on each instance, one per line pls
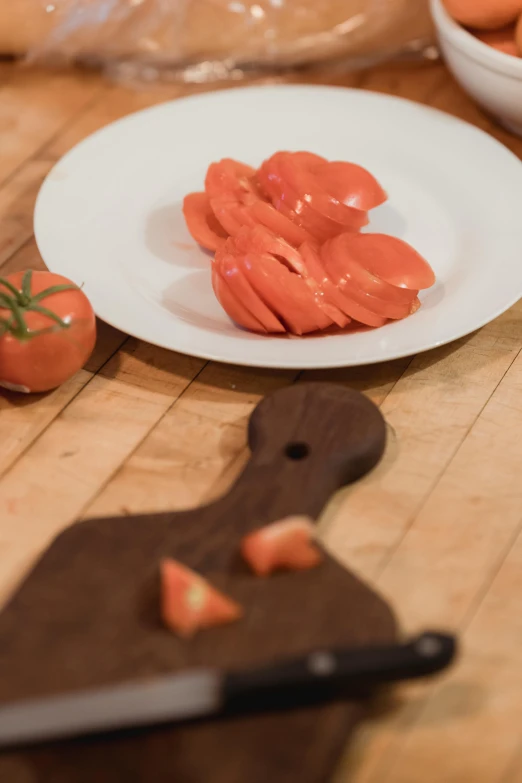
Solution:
(287, 544)
(190, 603)
(201, 221)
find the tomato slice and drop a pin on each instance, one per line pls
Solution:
(288, 544)
(231, 215)
(285, 293)
(233, 306)
(229, 177)
(287, 202)
(189, 602)
(340, 269)
(390, 259)
(326, 294)
(301, 180)
(278, 223)
(350, 184)
(260, 240)
(201, 221)
(339, 248)
(229, 269)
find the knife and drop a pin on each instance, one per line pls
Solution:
(323, 675)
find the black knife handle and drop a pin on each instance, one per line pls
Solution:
(330, 675)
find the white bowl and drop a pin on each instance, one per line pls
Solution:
(493, 79)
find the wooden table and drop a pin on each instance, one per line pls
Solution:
(437, 528)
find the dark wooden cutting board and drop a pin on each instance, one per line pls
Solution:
(88, 613)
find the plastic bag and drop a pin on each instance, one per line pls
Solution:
(204, 40)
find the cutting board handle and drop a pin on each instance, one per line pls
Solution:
(308, 441)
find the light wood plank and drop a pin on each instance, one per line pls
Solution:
(182, 461)
(24, 418)
(34, 106)
(429, 411)
(79, 452)
(17, 200)
(445, 570)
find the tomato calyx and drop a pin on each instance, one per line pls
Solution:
(19, 302)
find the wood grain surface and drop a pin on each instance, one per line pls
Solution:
(307, 441)
(437, 527)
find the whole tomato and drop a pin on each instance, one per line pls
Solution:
(47, 330)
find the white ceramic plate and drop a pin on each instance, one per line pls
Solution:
(109, 217)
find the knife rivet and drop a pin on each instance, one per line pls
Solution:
(428, 646)
(322, 664)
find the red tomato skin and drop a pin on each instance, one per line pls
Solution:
(301, 180)
(228, 268)
(232, 304)
(181, 613)
(350, 184)
(229, 177)
(201, 222)
(285, 293)
(284, 545)
(44, 362)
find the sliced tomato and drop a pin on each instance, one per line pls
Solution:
(234, 277)
(309, 159)
(340, 248)
(260, 240)
(350, 184)
(233, 306)
(341, 271)
(326, 294)
(349, 301)
(289, 203)
(190, 603)
(285, 293)
(278, 223)
(201, 221)
(390, 259)
(288, 544)
(231, 214)
(302, 181)
(229, 177)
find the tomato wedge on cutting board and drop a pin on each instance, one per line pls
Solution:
(288, 544)
(201, 221)
(190, 603)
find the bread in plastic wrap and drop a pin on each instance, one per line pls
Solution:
(235, 33)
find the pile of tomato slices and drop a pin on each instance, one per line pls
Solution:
(289, 255)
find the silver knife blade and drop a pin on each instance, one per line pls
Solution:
(192, 694)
